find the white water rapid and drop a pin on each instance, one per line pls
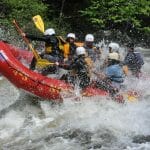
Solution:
(91, 124)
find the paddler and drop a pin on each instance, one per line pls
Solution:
(54, 50)
(70, 47)
(134, 60)
(114, 70)
(114, 47)
(92, 51)
(81, 71)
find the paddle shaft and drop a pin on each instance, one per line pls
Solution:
(36, 55)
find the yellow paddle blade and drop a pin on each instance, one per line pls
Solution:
(39, 23)
(41, 63)
(132, 98)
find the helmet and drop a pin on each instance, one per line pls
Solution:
(49, 31)
(114, 46)
(80, 51)
(113, 56)
(89, 38)
(71, 35)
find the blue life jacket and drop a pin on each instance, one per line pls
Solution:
(115, 73)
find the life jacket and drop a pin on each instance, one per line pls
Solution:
(79, 44)
(48, 48)
(67, 47)
(115, 73)
(66, 50)
(60, 45)
(69, 50)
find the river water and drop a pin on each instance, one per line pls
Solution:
(27, 123)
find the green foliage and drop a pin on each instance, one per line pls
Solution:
(22, 10)
(79, 16)
(118, 13)
(146, 30)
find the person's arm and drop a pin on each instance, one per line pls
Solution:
(68, 65)
(37, 38)
(126, 60)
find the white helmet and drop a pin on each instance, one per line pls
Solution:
(49, 31)
(89, 38)
(71, 35)
(80, 51)
(114, 46)
(113, 56)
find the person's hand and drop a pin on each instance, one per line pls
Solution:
(65, 59)
(23, 34)
(57, 63)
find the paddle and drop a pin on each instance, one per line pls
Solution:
(35, 53)
(40, 62)
(38, 23)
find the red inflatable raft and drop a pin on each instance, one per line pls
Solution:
(33, 82)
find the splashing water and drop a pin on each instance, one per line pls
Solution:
(92, 123)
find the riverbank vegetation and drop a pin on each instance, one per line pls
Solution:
(123, 17)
